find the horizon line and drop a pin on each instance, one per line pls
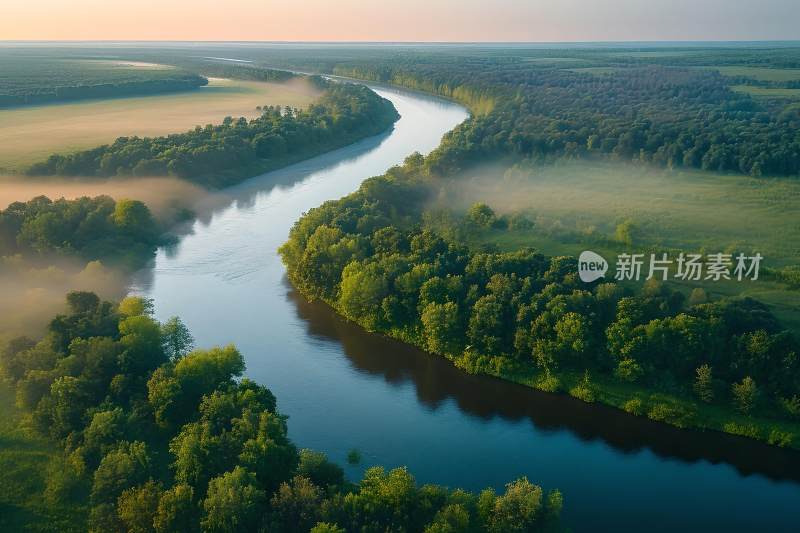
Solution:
(192, 41)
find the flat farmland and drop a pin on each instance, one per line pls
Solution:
(30, 134)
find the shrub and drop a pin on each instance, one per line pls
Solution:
(791, 406)
(780, 438)
(584, 390)
(634, 406)
(548, 383)
(744, 430)
(628, 370)
(670, 414)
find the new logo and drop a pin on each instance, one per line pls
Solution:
(591, 266)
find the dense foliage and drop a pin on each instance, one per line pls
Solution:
(370, 257)
(667, 115)
(24, 81)
(160, 437)
(218, 155)
(90, 228)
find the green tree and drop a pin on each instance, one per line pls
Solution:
(135, 306)
(234, 503)
(133, 218)
(440, 322)
(177, 512)
(316, 467)
(137, 506)
(627, 232)
(572, 336)
(518, 509)
(452, 518)
(704, 383)
(121, 469)
(744, 395)
(296, 506)
(481, 215)
(176, 338)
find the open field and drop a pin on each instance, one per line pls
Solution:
(30, 134)
(767, 92)
(576, 206)
(759, 73)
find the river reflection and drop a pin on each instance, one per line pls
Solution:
(436, 380)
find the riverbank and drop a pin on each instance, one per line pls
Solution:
(635, 400)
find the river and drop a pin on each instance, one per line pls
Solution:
(343, 388)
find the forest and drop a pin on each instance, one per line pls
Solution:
(159, 436)
(120, 232)
(223, 154)
(378, 259)
(664, 115)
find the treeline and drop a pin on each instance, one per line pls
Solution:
(122, 231)
(219, 155)
(159, 437)
(665, 115)
(517, 313)
(238, 71)
(16, 92)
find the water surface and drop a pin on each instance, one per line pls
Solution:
(343, 388)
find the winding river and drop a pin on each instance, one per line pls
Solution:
(343, 388)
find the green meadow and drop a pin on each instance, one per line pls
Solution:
(767, 92)
(577, 206)
(759, 73)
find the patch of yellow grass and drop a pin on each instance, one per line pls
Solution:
(30, 134)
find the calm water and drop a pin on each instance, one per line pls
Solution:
(343, 388)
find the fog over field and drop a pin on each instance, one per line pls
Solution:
(34, 293)
(688, 209)
(163, 195)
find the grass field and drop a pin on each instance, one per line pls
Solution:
(24, 461)
(759, 73)
(576, 206)
(767, 92)
(30, 134)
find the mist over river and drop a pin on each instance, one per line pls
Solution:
(343, 388)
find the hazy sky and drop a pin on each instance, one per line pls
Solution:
(400, 20)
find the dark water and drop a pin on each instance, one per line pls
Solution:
(343, 388)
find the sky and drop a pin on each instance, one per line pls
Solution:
(400, 20)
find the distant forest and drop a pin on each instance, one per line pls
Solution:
(666, 115)
(52, 80)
